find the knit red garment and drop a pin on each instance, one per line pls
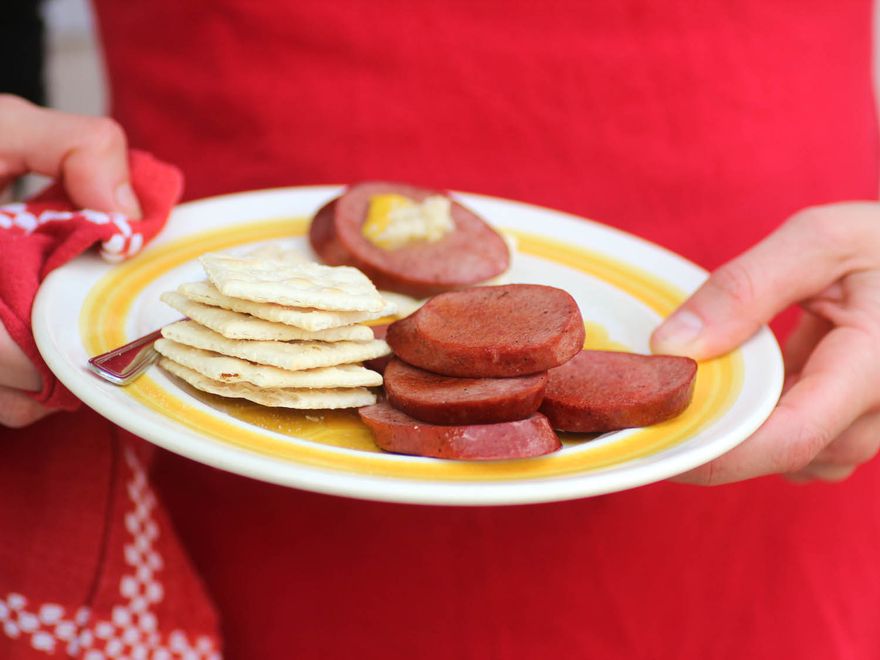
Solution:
(48, 231)
(699, 125)
(89, 564)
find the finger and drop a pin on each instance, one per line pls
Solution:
(816, 472)
(88, 154)
(807, 334)
(18, 410)
(856, 445)
(16, 371)
(835, 388)
(801, 258)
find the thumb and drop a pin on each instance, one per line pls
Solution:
(725, 311)
(88, 154)
(802, 258)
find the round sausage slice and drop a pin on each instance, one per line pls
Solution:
(397, 432)
(491, 332)
(600, 391)
(322, 237)
(379, 364)
(447, 400)
(471, 253)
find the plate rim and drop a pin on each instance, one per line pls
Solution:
(313, 478)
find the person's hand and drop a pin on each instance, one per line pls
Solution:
(827, 422)
(17, 375)
(89, 156)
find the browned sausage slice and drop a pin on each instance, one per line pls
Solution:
(472, 253)
(448, 400)
(397, 432)
(322, 237)
(601, 391)
(379, 364)
(492, 331)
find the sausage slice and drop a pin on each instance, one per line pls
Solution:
(448, 400)
(322, 237)
(491, 332)
(397, 432)
(379, 364)
(472, 253)
(600, 391)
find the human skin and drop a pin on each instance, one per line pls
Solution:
(827, 423)
(89, 155)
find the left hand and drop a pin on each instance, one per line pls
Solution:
(89, 156)
(17, 376)
(827, 422)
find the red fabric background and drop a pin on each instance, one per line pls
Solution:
(697, 125)
(66, 538)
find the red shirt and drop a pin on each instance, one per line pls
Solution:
(700, 126)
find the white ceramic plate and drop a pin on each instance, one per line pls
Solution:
(623, 284)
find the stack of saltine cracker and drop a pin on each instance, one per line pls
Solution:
(277, 332)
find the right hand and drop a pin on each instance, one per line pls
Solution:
(89, 155)
(827, 422)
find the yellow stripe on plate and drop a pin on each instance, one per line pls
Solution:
(108, 305)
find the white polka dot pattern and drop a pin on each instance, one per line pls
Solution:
(124, 242)
(133, 630)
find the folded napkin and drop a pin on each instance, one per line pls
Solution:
(38, 236)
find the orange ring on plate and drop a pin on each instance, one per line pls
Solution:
(108, 304)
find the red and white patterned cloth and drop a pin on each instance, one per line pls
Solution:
(46, 232)
(90, 566)
(127, 625)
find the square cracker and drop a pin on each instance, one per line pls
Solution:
(293, 356)
(275, 250)
(337, 288)
(234, 325)
(302, 399)
(300, 317)
(233, 370)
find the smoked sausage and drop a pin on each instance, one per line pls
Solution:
(439, 399)
(471, 253)
(491, 332)
(397, 432)
(600, 391)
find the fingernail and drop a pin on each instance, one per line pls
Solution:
(127, 202)
(678, 332)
